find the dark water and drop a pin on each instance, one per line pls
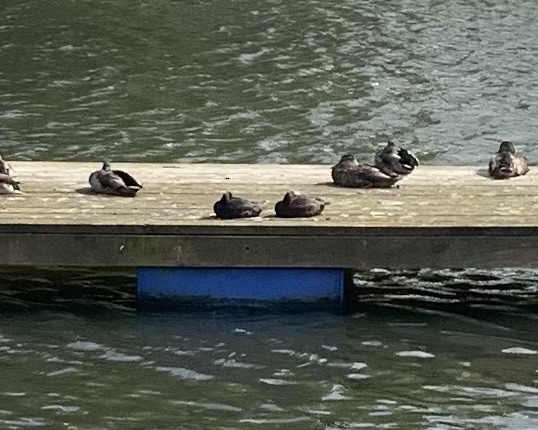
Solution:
(266, 80)
(425, 350)
(269, 81)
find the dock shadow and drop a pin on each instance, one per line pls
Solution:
(484, 173)
(89, 192)
(333, 185)
(86, 190)
(216, 218)
(328, 184)
(209, 217)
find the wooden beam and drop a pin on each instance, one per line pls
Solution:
(359, 251)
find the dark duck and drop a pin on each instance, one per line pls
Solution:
(114, 182)
(229, 207)
(298, 205)
(349, 173)
(506, 163)
(393, 160)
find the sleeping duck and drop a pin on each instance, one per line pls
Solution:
(349, 173)
(297, 205)
(229, 207)
(393, 160)
(115, 182)
(506, 163)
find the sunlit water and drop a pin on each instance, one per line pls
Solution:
(423, 350)
(269, 81)
(266, 80)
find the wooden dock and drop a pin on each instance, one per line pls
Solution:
(438, 217)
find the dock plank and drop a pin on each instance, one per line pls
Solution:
(184, 194)
(439, 216)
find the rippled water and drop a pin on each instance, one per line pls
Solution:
(269, 81)
(425, 350)
(266, 81)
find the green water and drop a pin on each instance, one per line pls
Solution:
(424, 350)
(266, 81)
(283, 82)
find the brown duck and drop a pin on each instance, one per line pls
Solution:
(349, 173)
(297, 205)
(115, 182)
(506, 163)
(229, 207)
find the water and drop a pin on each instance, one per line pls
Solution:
(266, 80)
(425, 350)
(269, 81)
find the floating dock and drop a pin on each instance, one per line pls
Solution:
(437, 217)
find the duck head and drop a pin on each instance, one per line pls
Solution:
(226, 198)
(106, 165)
(507, 146)
(346, 161)
(348, 157)
(289, 197)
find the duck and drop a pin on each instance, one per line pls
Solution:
(115, 182)
(229, 207)
(349, 173)
(7, 184)
(298, 205)
(393, 160)
(506, 163)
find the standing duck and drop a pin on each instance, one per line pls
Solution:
(115, 182)
(349, 173)
(506, 163)
(393, 160)
(297, 205)
(229, 207)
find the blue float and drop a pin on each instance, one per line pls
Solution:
(293, 289)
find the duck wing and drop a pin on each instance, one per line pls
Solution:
(106, 181)
(8, 180)
(237, 208)
(521, 165)
(307, 205)
(386, 158)
(493, 164)
(407, 160)
(366, 176)
(128, 180)
(393, 160)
